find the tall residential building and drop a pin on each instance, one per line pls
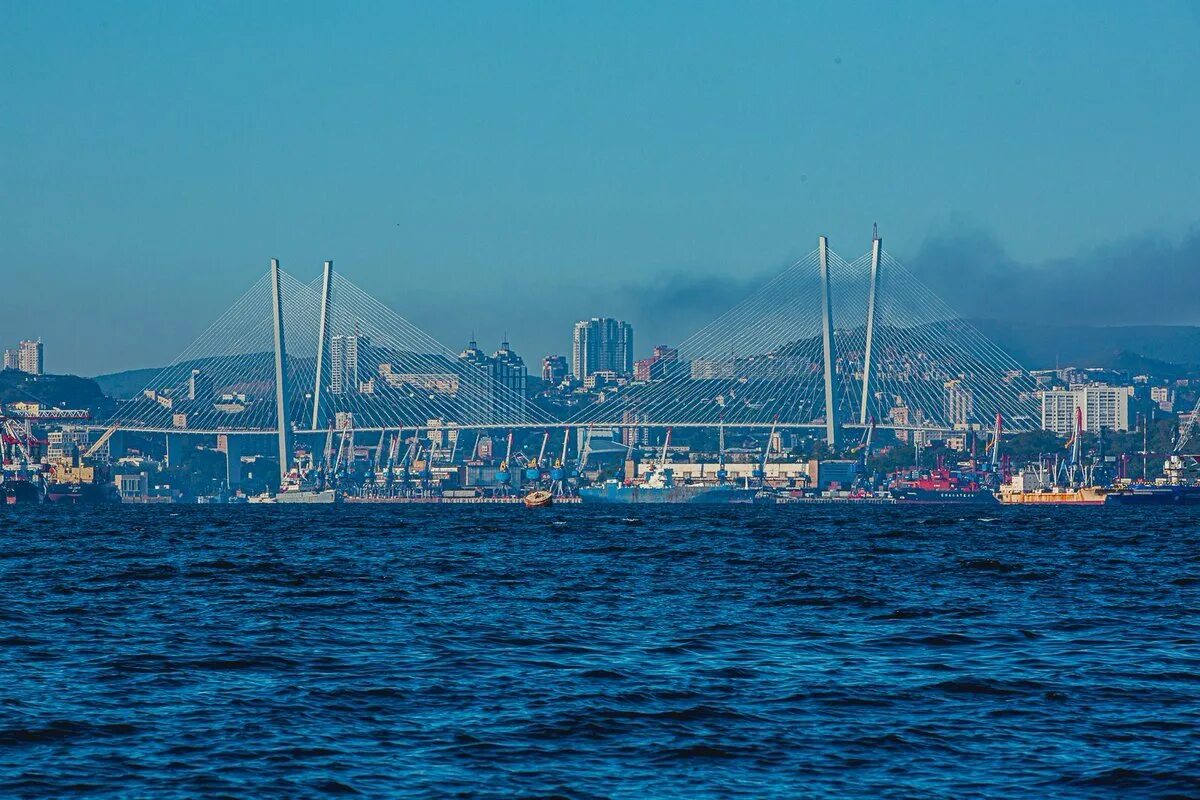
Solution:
(30, 357)
(657, 366)
(12, 358)
(960, 404)
(1058, 411)
(344, 374)
(1104, 408)
(199, 386)
(503, 379)
(905, 418)
(511, 378)
(555, 369)
(602, 344)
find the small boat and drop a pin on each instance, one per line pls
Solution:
(539, 498)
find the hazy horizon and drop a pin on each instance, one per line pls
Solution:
(510, 170)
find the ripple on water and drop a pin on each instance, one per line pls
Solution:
(437, 652)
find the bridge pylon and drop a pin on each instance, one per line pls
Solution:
(872, 298)
(831, 422)
(282, 417)
(322, 342)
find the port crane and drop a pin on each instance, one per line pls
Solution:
(410, 453)
(328, 452)
(503, 477)
(99, 443)
(587, 449)
(760, 471)
(389, 473)
(1071, 472)
(863, 481)
(722, 472)
(558, 473)
(1175, 467)
(40, 414)
(662, 463)
(533, 470)
(996, 441)
(19, 439)
(379, 450)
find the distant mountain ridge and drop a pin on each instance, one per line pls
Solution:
(123, 385)
(1163, 350)
(1166, 350)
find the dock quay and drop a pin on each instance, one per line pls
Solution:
(436, 499)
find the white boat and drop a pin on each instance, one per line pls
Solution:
(307, 496)
(300, 486)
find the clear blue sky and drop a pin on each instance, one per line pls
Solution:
(507, 166)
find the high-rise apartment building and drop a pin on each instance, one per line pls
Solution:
(960, 403)
(27, 357)
(555, 369)
(1103, 408)
(512, 378)
(344, 374)
(1058, 411)
(658, 365)
(199, 386)
(602, 344)
(502, 378)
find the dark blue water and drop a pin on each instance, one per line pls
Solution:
(637, 652)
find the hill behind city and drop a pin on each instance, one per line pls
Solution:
(1167, 351)
(1160, 350)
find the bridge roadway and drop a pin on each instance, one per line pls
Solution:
(540, 426)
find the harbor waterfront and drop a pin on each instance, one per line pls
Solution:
(786, 397)
(594, 651)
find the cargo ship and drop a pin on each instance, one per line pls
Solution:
(1154, 495)
(76, 484)
(660, 487)
(1174, 489)
(22, 477)
(941, 486)
(78, 493)
(302, 485)
(19, 491)
(20, 484)
(1032, 488)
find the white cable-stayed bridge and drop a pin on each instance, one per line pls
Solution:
(827, 344)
